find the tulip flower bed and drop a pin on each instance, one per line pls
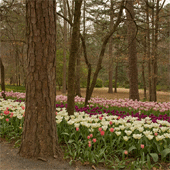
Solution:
(98, 133)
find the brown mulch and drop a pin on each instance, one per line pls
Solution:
(122, 93)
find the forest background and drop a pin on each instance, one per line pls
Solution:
(152, 21)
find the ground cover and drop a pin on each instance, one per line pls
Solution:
(98, 134)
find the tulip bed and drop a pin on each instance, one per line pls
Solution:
(117, 133)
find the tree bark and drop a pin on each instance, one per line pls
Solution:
(2, 78)
(116, 74)
(133, 71)
(77, 82)
(39, 137)
(101, 55)
(143, 69)
(110, 50)
(72, 57)
(155, 67)
(64, 50)
(153, 53)
(148, 53)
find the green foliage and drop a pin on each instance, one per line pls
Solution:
(13, 88)
(126, 84)
(83, 77)
(83, 83)
(106, 84)
(99, 83)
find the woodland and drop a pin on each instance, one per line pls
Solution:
(72, 44)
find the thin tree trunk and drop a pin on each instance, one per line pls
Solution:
(148, 53)
(110, 50)
(101, 55)
(72, 57)
(64, 50)
(77, 82)
(39, 137)
(133, 71)
(19, 80)
(2, 78)
(153, 53)
(155, 68)
(143, 69)
(116, 74)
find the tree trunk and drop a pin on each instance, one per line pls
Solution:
(19, 80)
(143, 69)
(116, 74)
(64, 50)
(101, 55)
(2, 78)
(77, 83)
(72, 57)
(148, 53)
(153, 54)
(110, 51)
(39, 137)
(155, 68)
(133, 72)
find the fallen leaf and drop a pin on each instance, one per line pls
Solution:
(86, 163)
(93, 167)
(42, 159)
(154, 168)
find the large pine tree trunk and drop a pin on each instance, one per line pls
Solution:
(72, 57)
(2, 77)
(39, 137)
(133, 71)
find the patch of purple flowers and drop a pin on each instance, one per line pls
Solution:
(99, 110)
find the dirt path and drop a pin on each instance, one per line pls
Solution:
(123, 93)
(10, 160)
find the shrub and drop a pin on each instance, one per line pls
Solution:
(99, 83)
(106, 84)
(83, 83)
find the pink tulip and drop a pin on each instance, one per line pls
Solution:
(142, 146)
(6, 112)
(100, 118)
(89, 144)
(102, 133)
(110, 122)
(111, 130)
(22, 107)
(7, 120)
(100, 129)
(125, 152)
(91, 135)
(156, 134)
(88, 137)
(94, 140)
(77, 129)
